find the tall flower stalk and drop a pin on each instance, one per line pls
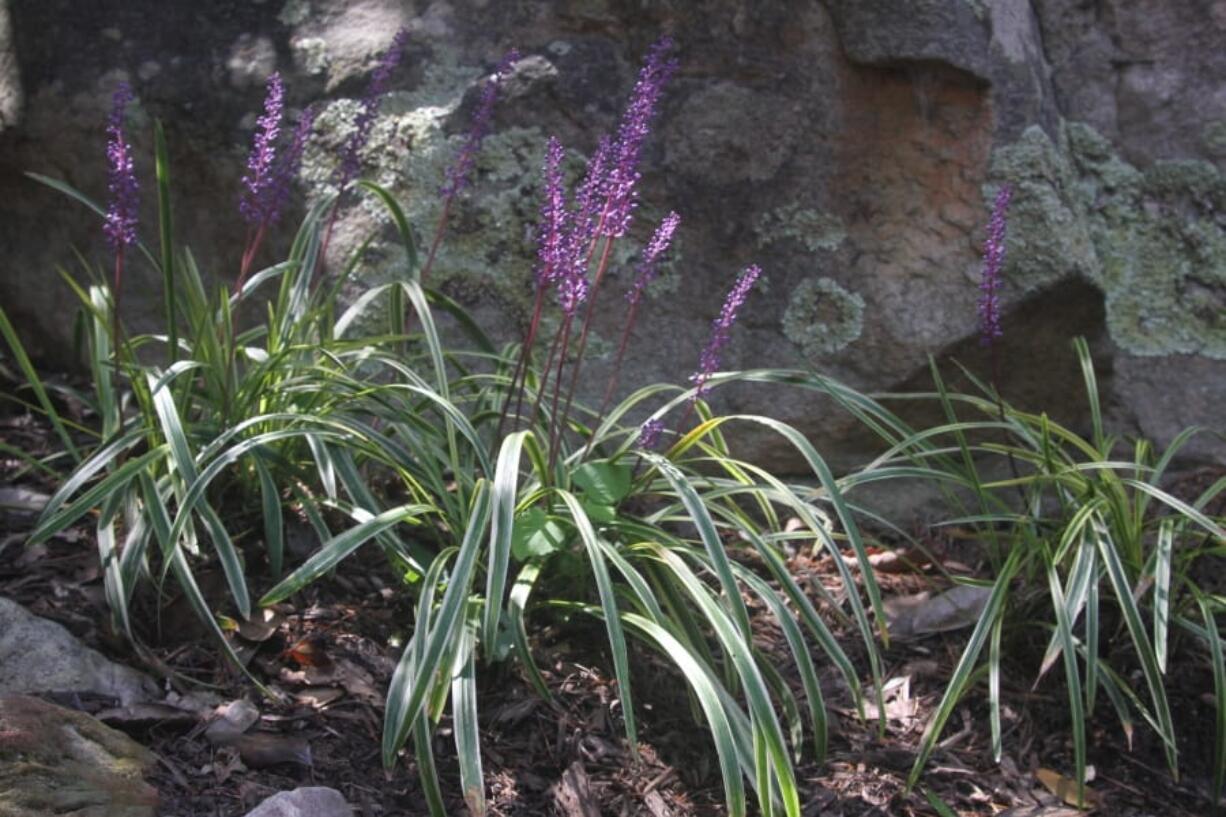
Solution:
(364, 122)
(121, 215)
(256, 203)
(990, 329)
(270, 172)
(721, 334)
(993, 262)
(646, 272)
(551, 234)
(619, 185)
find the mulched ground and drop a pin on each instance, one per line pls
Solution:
(332, 652)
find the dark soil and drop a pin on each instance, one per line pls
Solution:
(332, 652)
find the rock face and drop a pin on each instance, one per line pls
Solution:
(57, 761)
(37, 655)
(849, 147)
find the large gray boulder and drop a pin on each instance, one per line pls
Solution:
(849, 147)
(37, 655)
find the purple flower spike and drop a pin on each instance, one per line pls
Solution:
(651, 256)
(121, 216)
(635, 125)
(365, 120)
(649, 434)
(993, 262)
(257, 200)
(457, 175)
(551, 234)
(721, 330)
(287, 166)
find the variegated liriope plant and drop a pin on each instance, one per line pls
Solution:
(511, 488)
(1082, 537)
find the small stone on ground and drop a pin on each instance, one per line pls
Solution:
(309, 801)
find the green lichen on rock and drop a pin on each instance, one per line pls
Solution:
(487, 252)
(979, 8)
(294, 12)
(1047, 237)
(1213, 137)
(311, 54)
(822, 317)
(1161, 251)
(1150, 239)
(814, 229)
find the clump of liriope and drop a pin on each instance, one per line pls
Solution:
(1081, 532)
(514, 507)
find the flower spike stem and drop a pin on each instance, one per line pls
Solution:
(647, 271)
(615, 375)
(556, 429)
(582, 345)
(519, 376)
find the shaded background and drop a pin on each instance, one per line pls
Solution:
(849, 147)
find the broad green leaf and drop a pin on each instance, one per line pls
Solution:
(603, 514)
(536, 535)
(604, 483)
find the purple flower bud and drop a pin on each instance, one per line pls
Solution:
(121, 216)
(993, 263)
(721, 329)
(572, 289)
(588, 199)
(457, 174)
(649, 434)
(623, 177)
(257, 200)
(288, 164)
(365, 120)
(651, 256)
(551, 233)
(585, 216)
